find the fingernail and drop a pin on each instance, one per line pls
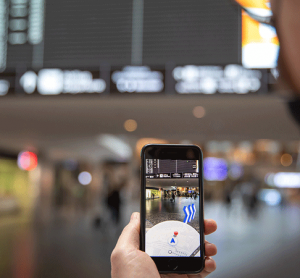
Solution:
(134, 216)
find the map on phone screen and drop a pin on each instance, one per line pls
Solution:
(172, 208)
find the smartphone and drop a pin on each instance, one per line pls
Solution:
(172, 224)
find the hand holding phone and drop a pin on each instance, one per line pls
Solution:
(172, 224)
(178, 247)
(127, 260)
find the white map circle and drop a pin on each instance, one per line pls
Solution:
(160, 243)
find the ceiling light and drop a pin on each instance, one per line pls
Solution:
(286, 160)
(130, 125)
(199, 112)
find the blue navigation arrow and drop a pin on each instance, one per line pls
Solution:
(194, 211)
(187, 214)
(191, 213)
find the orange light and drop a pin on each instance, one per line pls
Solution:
(286, 160)
(27, 161)
(130, 125)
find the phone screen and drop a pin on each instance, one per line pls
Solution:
(172, 207)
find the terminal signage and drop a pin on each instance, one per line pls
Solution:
(231, 79)
(137, 79)
(133, 80)
(57, 81)
(190, 175)
(176, 175)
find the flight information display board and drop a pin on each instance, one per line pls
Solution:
(123, 46)
(76, 33)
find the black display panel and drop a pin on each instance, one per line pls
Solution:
(87, 33)
(191, 32)
(74, 34)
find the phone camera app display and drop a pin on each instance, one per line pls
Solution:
(172, 208)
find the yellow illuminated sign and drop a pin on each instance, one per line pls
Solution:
(260, 44)
(260, 4)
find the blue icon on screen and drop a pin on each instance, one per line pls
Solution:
(190, 212)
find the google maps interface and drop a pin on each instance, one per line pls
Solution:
(172, 208)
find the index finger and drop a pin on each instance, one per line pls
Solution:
(210, 226)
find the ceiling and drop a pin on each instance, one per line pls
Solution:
(71, 124)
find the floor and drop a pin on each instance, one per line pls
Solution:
(265, 245)
(159, 210)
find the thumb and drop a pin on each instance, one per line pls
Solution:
(130, 237)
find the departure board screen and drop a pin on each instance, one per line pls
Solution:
(87, 33)
(201, 32)
(123, 46)
(76, 33)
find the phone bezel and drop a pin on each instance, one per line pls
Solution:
(168, 151)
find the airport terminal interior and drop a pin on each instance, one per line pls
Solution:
(84, 85)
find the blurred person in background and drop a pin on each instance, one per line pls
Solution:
(249, 190)
(227, 197)
(127, 260)
(113, 200)
(173, 196)
(195, 195)
(116, 181)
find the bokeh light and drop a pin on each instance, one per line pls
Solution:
(84, 178)
(236, 171)
(215, 169)
(130, 125)
(271, 197)
(27, 161)
(286, 160)
(199, 112)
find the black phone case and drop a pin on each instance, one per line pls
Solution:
(143, 209)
